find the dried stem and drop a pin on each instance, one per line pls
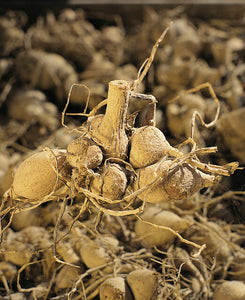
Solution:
(196, 114)
(110, 134)
(147, 64)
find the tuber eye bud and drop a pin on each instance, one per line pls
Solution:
(83, 152)
(36, 177)
(148, 145)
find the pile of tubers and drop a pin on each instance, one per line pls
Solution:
(113, 161)
(106, 207)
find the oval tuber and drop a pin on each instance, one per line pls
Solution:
(175, 181)
(66, 278)
(36, 177)
(93, 254)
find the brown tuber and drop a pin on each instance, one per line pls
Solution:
(93, 254)
(66, 278)
(230, 129)
(180, 114)
(143, 284)
(46, 71)
(183, 181)
(29, 105)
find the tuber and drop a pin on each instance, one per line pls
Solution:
(143, 284)
(29, 105)
(230, 130)
(84, 153)
(172, 181)
(115, 288)
(93, 254)
(148, 145)
(36, 177)
(230, 290)
(111, 182)
(151, 236)
(66, 278)
(46, 71)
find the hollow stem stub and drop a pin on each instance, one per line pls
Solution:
(110, 134)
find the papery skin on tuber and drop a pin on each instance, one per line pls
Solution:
(36, 177)
(184, 180)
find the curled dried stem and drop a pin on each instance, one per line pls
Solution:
(64, 113)
(196, 114)
(147, 63)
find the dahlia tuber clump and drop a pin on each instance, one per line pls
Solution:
(114, 162)
(116, 165)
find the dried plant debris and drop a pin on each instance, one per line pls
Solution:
(111, 183)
